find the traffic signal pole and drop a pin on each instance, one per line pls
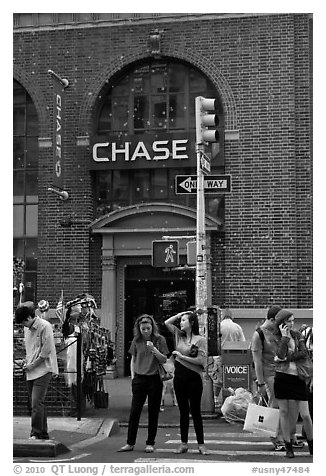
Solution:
(201, 265)
(207, 401)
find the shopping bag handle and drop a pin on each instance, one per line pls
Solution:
(262, 400)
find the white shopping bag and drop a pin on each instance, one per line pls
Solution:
(261, 419)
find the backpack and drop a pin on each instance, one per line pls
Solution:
(262, 336)
(308, 339)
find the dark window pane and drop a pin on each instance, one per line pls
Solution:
(104, 186)
(19, 96)
(159, 113)
(120, 114)
(122, 88)
(177, 110)
(196, 81)
(120, 185)
(177, 78)
(105, 117)
(141, 185)
(18, 155)
(31, 254)
(18, 248)
(32, 120)
(159, 188)
(31, 186)
(141, 80)
(159, 78)
(19, 189)
(191, 110)
(32, 152)
(19, 120)
(141, 112)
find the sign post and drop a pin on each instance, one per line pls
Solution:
(203, 134)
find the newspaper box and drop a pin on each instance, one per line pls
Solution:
(236, 365)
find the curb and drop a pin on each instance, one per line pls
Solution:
(108, 428)
(49, 448)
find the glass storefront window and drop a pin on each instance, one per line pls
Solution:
(141, 113)
(159, 112)
(120, 184)
(152, 99)
(141, 185)
(25, 185)
(159, 185)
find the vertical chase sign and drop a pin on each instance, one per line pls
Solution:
(58, 132)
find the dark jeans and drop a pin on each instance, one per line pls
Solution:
(145, 386)
(37, 392)
(188, 387)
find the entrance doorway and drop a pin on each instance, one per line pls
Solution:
(156, 292)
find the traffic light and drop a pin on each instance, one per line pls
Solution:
(191, 253)
(165, 253)
(206, 122)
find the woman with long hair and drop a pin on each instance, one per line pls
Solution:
(148, 349)
(289, 387)
(190, 356)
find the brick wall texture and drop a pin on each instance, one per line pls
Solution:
(261, 65)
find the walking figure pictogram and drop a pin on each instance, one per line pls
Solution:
(169, 252)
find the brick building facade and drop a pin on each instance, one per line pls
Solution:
(260, 66)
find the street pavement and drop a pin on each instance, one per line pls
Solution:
(100, 432)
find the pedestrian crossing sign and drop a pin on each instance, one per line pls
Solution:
(165, 253)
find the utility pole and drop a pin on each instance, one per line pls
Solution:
(203, 134)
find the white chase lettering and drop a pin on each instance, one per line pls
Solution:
(159, 151)
(157, 148)
(236, 369)
(140, 151)
(58, 150)
(58, 168)
(177, 148)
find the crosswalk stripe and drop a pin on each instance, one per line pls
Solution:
(232, 435)
(224, 442)
(230, 452)
(179, 461)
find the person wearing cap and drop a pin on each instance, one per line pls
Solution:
(41, 364)
(148, 349)
(288, 386)
(230, 330)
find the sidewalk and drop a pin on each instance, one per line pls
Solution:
(95, 423)
(67, 433)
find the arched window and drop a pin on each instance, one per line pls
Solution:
(25, 185)
(154, 99)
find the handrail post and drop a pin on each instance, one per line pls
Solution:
(79, 375)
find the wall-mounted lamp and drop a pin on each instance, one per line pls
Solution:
(63, 81)
(62, 193)
(155, 42)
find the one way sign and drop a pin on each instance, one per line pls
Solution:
(185, 184)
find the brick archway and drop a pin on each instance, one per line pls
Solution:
(123, 62)
(27, 82)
